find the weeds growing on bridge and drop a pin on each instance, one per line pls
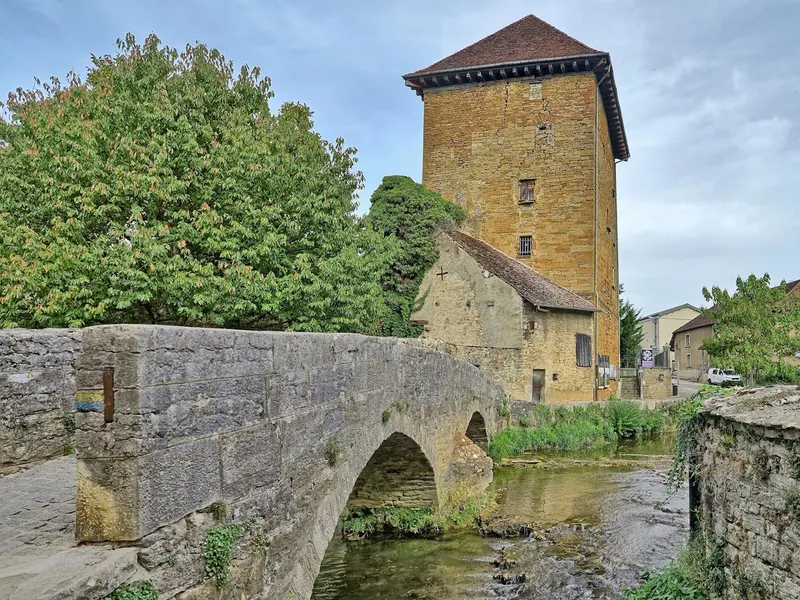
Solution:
(144, 590)
(333, 452)
(576, 429)
(218, 548)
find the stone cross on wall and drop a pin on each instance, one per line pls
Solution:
(442, 273)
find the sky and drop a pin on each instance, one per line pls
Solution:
(709, 91)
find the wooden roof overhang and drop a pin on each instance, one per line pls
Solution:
(598, 63)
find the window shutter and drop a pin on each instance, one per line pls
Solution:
(583, 350)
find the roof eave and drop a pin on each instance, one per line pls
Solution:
(597, 62)
(589, 309)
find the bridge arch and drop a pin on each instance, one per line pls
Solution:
(476, 431)
(397, 474)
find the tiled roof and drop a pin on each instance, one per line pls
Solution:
(528, 39)
(534, 288)
(529, 47)
(696, 323)
(791, 285)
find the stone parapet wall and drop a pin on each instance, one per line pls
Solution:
(37, 387)
(748, 489)
(656, 383)
(277, 427)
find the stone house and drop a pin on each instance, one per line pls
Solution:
(523, 129)
(659, 326)
(528, 334)
(691, 359)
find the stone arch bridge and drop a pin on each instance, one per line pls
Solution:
(284, 430)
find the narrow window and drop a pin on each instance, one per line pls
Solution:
(525, 244)
(526, 191)
(688, 340)
(688, 361)
(583, 350)
(538, 385)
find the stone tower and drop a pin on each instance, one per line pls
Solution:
(523, 129)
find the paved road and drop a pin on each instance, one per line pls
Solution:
(37, 509)
(687, 388)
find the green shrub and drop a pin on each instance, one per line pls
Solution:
(576, 428)
(697, 574)
(793, 506)
(390, 521)
(333, 452)
(144, 590)
(386, 415)
(218, 548)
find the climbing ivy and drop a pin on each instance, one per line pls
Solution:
(218, 550)
(685, 416)
(144, 590)
(407, 214)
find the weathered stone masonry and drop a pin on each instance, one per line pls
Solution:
(37, 387)
(247, 418)
(749, 475)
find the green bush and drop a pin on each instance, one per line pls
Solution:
(779, 372)
(218, 548)
(576, 428)
(697, 574)
(144, 590)
(391, 521)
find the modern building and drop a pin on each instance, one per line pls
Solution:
(659, 326)
(524, 130)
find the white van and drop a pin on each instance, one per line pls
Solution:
(723, 377)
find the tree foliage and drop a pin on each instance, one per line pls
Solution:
(407, 214)
(631, 333)
(164, 190)
(755, 326)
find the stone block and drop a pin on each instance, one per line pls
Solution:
(251, 460)
(177, 481)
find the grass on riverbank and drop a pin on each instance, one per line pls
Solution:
(696, 574)
(461, 509)
(576, 429)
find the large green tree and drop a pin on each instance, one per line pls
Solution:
(755, 326)
(407, 214)
(164, 190)
(631, 333)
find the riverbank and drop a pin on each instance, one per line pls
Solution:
(578, 429)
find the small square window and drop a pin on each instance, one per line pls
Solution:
(525, 245)
(526, 191)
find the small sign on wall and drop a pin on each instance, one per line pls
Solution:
(647, 357)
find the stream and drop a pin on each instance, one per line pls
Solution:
(599, 524)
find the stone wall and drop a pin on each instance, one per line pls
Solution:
(748, 490)
(656, 383)
(37, 388)
(277, 427)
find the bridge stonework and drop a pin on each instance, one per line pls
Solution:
(277, 426)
